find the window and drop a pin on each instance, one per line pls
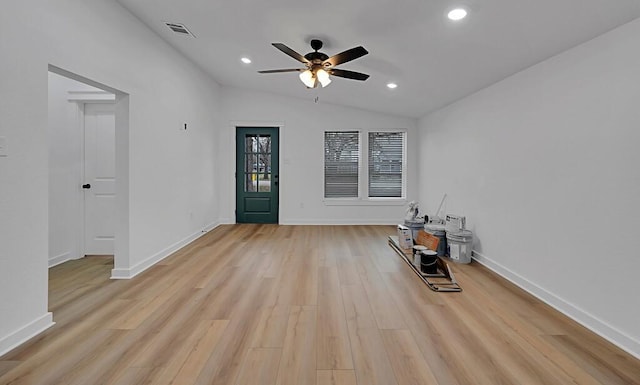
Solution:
(382, 172)
(385, 164)
(341, 164)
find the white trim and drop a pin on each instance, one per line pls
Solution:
(59, 259)
(227, 221)
(97, 96)
(598, 326)
(209, 227)
(149, 262)
(25, 333)
(82, 197)
(321, 222)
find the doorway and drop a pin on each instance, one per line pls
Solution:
(257, 174)
(88, 137)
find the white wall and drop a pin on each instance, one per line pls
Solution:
(173, 191)
(544, 166)
(302, 155)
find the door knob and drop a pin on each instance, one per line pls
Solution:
(86, 186)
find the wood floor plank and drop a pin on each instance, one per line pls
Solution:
(336, 377)
(370, 357)
(272, 327)
(224, 363)
(6, 366)
(602, 370)
(260, 367)
(527, 358)
(267, 304)
(200, 354)
(175, 357)
(357, 308)
(383, 307)
(52, 371)
(407, 361)
(298, 362)
(334, 350)
(298, 278)
(347, 269)
(450, 347)
(137, 376)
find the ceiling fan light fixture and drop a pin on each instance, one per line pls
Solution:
(457, 14)
(323, 77)
(308, 78)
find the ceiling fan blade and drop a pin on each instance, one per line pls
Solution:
(290, 52)
(348, 55)
(348, 74)
(284, 70)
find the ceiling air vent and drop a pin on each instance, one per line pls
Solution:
(179, 29)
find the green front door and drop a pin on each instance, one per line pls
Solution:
(257, 174)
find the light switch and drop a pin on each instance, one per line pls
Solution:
(3, 146)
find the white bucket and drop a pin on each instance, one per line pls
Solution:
(460, 246)
(415, 226)
(417, 249)
(455, 223)
(438, 230)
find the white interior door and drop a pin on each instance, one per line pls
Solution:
(99, 179)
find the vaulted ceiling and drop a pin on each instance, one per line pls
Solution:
(433, 60)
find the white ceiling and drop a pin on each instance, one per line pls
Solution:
(411, 42)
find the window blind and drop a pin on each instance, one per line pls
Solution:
(341, 163)
(386, 151)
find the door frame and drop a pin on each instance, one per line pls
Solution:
(230, 216)
(121, 260)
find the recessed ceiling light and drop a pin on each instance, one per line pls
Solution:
(457, 14)
(246, 60)
(392, 85)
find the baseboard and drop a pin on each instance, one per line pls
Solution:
(147, 263)
(58, 259)
(372, 222)
(603, 329)
(25, 333)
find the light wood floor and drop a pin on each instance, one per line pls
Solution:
(303, 305)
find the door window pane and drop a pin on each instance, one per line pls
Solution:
(257, 163)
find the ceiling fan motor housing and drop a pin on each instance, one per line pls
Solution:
(316, 57)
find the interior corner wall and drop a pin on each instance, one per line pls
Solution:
(544, 166)
(101, 41)
(302, 155)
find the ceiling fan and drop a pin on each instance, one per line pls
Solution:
(319, 66)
